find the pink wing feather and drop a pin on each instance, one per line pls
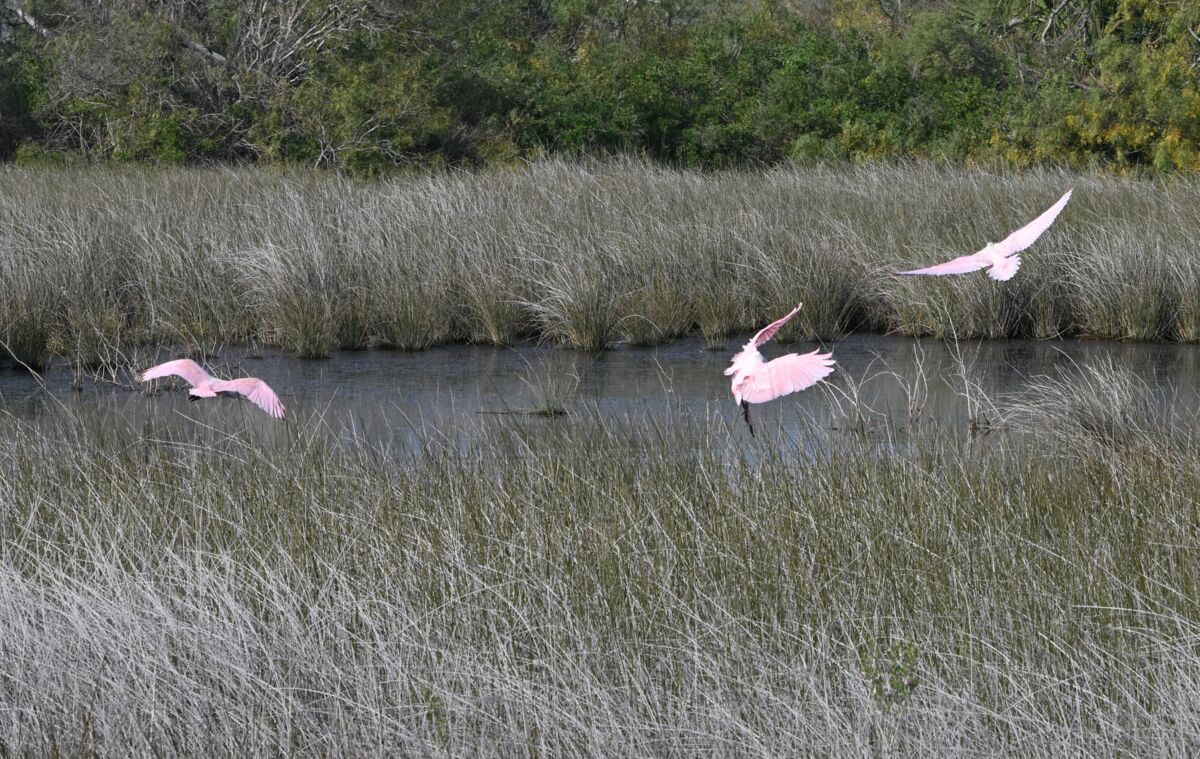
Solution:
(258, 392)
(184, 368)
(993, 255)
(786, 374)
(767, 332)
(1028, 234)
(960, 265)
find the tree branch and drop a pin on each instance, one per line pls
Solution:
(27, 18)
(202, 50)
(1050, 19)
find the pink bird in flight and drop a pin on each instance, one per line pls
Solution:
(1000, 256)
(758, 381)
(206, 386)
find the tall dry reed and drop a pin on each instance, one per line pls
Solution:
(586, 254)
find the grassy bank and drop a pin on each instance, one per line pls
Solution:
(607, 589)
(94, 261)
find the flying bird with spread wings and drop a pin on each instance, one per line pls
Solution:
(1001, 256)
(205, 385)
(756, 380)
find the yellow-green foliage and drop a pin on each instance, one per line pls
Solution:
(1145, 105)
(368, 89)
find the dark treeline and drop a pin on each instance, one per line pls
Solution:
(368, 85)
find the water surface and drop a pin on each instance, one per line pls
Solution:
(396, 399)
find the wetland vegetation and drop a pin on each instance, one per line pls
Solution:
(592, 584)
(581, 254)
(366, 86)
(1009, 573)
(609, 586)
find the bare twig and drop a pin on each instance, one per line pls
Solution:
(27, 18)
(1050, 19)
(197, 47)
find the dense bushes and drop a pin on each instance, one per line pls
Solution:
(368, 85)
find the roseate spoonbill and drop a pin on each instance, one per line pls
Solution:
(1001, 256)
(207, 386)
(759, 381)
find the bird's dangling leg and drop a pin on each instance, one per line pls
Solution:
(746, 416)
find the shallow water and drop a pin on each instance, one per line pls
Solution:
(397, 399)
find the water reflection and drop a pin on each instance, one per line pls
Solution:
(396, 400)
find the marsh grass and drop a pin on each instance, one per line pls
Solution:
(1100, 405)
(585, 254)
(633, 586)
(552, 386)
(25, 339)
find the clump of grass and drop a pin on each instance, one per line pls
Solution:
(821, 263)
(1140, 293)
(721, 303)
(579, 304)
(493, 306)
(25, 341)
(1187, 278)
(26, 333)
(300, 300)
(658, 311)
(718, 322)
(410, 309)
(553, 385)
(405, 276)
(1101, 406)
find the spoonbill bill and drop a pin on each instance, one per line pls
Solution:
(1000, 256)
(205, 385)
(756, 380)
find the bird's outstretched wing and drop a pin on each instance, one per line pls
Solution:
(185, 368)
(749, 354)
(1026, 235)
(767, 332)
(258, 392)
(786, 374)
(960, 265)
(994, 254)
